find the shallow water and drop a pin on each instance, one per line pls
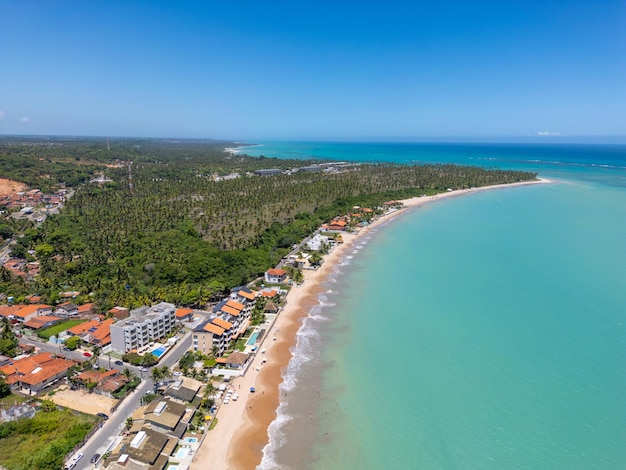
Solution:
(485, 331)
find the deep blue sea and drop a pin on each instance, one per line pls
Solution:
(480, 332)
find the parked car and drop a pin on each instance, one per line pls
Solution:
(87, 354)
(118, 363)
(102, 415)
(95, 458)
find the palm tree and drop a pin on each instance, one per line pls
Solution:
(129, 423)
(156, 374)
(209, 390)
(166, 373)
(128, 373)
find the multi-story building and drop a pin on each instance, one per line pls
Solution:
(143, 326)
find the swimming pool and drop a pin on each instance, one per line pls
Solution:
(158, 352)
(191, 440)
(181, 453)
(253, 338)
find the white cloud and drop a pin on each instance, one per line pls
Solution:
(548, 134)
(2, 114)
(25, 119)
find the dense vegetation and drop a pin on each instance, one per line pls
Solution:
(42, 442)
(179, 235)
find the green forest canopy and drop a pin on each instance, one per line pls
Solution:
(178, 234)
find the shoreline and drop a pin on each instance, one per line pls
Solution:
(242, 430)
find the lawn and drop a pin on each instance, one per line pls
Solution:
(56, 329)
(41, 443)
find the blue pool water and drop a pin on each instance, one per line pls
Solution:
(158, 352)
(253, 338)
(191, 440)
(181, 453)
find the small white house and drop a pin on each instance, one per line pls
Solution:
(317, 242)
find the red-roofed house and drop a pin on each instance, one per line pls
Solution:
(28, 312)
(43, 321)
(101, 335)
(106, 382)
(32, 374)
(269, 293)
(84, 327)
(118, 312)
(184, 314)
(8, 310)
(275, 275)
(86, 309)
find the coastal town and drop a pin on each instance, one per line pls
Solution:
(159, 378)
(147, 313)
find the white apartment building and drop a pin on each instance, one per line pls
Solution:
(144, 326)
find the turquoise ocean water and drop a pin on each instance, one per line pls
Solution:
(480, 332)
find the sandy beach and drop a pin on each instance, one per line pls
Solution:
(241, 433)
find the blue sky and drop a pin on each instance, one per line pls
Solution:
(366, 70)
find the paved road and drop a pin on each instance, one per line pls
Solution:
(104, 437)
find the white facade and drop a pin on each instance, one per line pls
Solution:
(144, 326)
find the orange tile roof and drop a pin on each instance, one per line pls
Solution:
(183, 312)
(234, 304)
(86, 307)
(102, 333)
(271, 293)
(276, 272)
(47, 371)
(27, 364)
(30, 309)
(6, 310)
(231, 311)
(83, 327)
(216, 330)
(117, 309)
(38, 322)
(97, 376)
(222, 323)
(246, 295)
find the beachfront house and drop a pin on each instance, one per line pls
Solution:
(317, 242)
(275, 276)
(167, 417)
(236, 360)
(146, 449)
